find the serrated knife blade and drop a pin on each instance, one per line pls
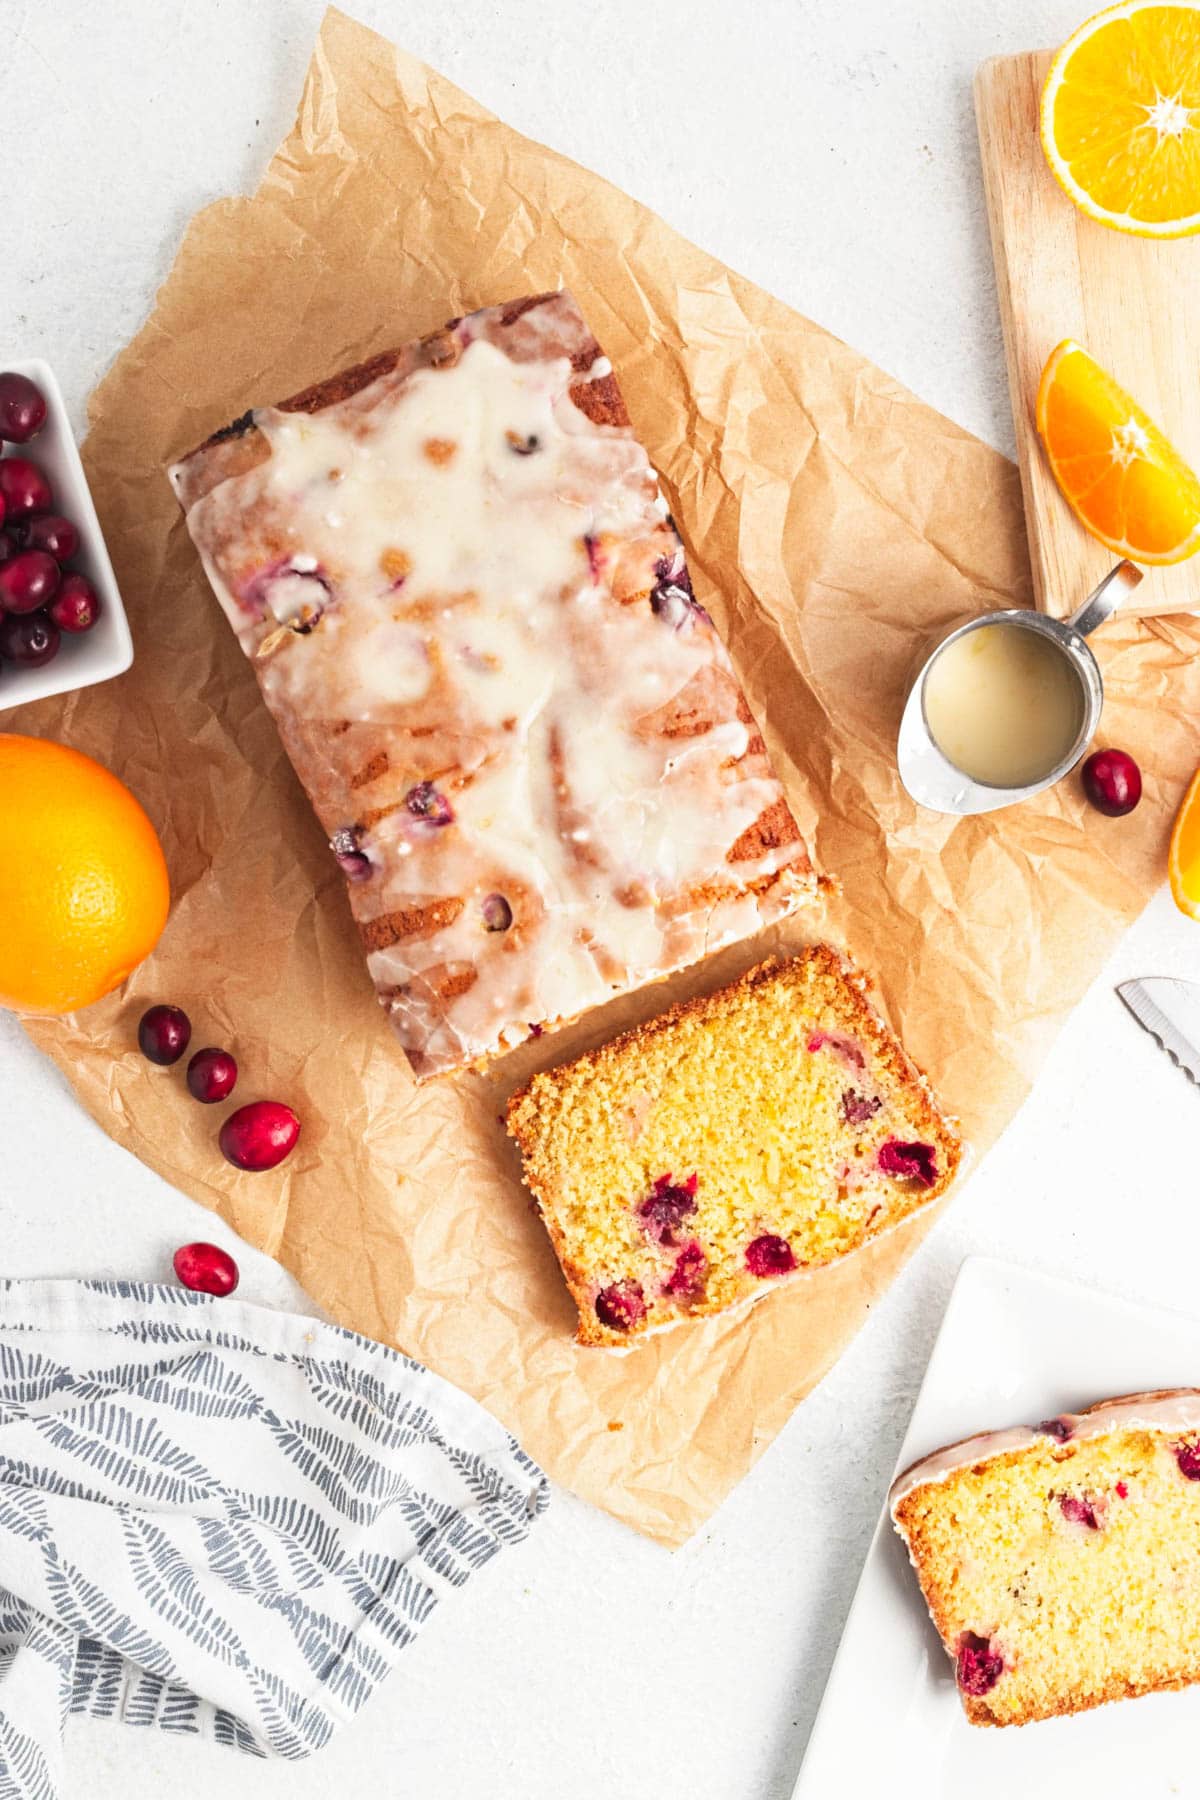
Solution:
(1169, 1009)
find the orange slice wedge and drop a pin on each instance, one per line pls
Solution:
(1183, 860)
(1120, 476)
(1121, 118)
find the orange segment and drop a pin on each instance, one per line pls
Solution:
(1121, 118)
(1120, 476)
(1183, 862)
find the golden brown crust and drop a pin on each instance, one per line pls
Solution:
(770, 831)
(386, 929)
(376, 765)
(347, 382)
(601, 400)
(844, 986)
(239, 445)
(516, 309)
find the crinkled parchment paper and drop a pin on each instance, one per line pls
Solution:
(834, 525)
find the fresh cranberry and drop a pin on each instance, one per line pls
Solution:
(1079, 1511)
(1188, 1458)
(76, 606)
(51, 532)
(671, 598)
(674, 568)
(666, 1207)
(354, 863)
(30, 639)
(295, 591)
(260, 1135)
(497, 913)
(769, 1255)
(1112, 782)
(424, 802)
(841, 1045)
(857, 1109)
(1058, 1429)
(164, 1034)
(621, 1306)
(686, 1280)
(669, 603)
(22, 407)
(978, 1667)
(909, 1162)
(27, 581)
(206, 1268)
(211, 1076)
(24, 487)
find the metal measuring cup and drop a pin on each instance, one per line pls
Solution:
(937, 783)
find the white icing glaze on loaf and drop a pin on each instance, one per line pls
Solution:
(1175, 1411)
(442, 559)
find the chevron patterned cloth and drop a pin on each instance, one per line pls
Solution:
(222, 1520)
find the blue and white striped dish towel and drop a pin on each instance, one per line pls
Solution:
(222, 1520)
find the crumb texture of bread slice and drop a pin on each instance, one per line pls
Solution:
(1065, 1572)
(699, 1160)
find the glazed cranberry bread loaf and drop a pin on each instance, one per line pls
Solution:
(471, 617)
(702, 1158)
(1061, 1562)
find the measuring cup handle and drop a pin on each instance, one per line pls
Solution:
(1103, 603)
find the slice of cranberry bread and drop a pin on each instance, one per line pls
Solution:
(701, 1158)
(1061, 1561)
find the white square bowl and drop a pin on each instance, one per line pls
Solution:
(107, 649)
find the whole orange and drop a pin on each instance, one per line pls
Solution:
(83, 883)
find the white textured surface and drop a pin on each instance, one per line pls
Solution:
(828, 151)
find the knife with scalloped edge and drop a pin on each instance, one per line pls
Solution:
(1169, 1009)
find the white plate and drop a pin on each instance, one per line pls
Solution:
(107, 649)
(1013, 1347)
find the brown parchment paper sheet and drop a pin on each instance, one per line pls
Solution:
(834, 525)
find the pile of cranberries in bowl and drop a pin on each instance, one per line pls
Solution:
(41, 597)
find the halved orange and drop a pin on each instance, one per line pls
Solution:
(1183, 860)
(1121, 117)
(1118, 473)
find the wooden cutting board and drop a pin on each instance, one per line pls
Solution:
(1134, 303)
